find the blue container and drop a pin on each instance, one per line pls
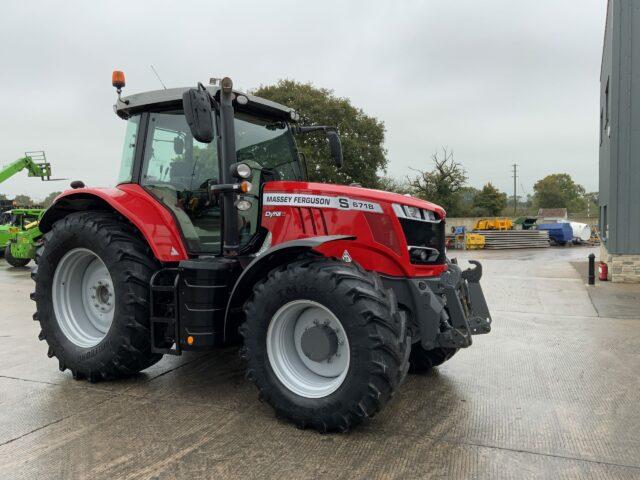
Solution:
(559, 232)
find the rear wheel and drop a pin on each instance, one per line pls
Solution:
(421, 360)
(92, 296)
(325, 343)
(13, 261)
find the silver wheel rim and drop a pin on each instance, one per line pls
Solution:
(83, 297)
(297, 372)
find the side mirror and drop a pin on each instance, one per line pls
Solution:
(335, 147)
(197, 110)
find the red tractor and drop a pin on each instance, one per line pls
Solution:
(213, 237)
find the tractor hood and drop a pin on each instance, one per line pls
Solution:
(360, 193)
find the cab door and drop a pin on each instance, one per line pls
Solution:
(177, 170)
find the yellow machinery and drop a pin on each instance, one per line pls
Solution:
(469, 241)
(474, 241)
(493, 224)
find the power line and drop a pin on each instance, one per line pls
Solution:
(515, 198)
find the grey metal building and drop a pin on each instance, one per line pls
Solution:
(620, 141)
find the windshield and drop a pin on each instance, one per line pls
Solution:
(269, 149)
(267, 145)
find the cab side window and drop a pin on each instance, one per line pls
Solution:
(129, 149)
(178, 170)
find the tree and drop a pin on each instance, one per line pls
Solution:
(467, 196)
(559, 191)
(391, 184)
(362, 136)
(592, 199)
(490, 201)
(442, 185)
(23, 200)
(46, 203)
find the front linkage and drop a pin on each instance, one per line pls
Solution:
(448, 309)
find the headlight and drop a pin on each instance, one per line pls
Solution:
(243, 205)
(423, 254)
(429, 216)
(415, 213)
(412, 212)
(243, 170)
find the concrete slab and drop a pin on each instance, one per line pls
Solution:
(125, 438)
(533, 392)
(611, 299)
(552, 392)
(26, 407)
(214, 379)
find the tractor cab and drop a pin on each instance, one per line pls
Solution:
(162, 155)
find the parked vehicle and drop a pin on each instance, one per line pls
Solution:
(19, 231)
(214, 236)
(559, 233)
(20, 234)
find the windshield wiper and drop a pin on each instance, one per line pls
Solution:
(276, 126)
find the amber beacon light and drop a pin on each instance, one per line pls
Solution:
(117, 80)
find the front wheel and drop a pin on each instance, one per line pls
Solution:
(325, 343)
(13, 261)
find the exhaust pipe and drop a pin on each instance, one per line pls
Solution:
(228, 151)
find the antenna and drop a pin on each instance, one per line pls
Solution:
(158, 77)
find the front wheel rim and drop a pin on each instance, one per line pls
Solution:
(83, 297)
(296, 370)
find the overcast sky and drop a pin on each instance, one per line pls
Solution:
(499, 82)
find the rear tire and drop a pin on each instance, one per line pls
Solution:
(324, 395)
(90, 344)
(421, 360)
(13, 261)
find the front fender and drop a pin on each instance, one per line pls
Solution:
(267, 261)
(153, 221)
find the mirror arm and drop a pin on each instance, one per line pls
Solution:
(334, 141)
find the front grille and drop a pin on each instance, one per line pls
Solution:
(425, 234)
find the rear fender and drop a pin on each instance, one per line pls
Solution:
(263, 264)
(151, 219)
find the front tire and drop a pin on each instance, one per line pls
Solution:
(13, 261)
(325, 343)
(92, 296)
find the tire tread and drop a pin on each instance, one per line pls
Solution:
(387, 341)
(129, 353)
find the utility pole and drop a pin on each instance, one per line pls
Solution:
(515, 198)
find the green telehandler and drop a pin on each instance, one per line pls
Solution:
(23, 235)
(19, 232)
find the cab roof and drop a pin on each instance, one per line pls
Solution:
(139, 102)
